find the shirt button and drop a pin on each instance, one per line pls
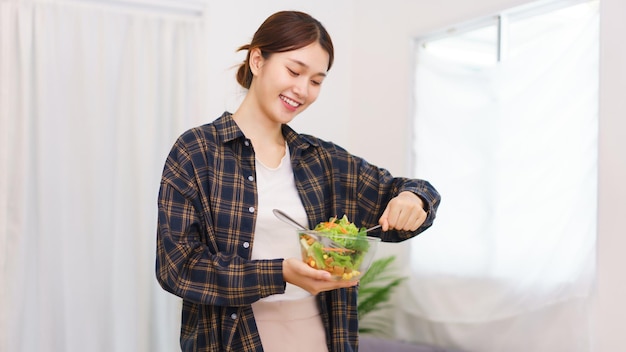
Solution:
(251, 209)
(247, 143)
(246, 245)
(250, 178)
(233, 316)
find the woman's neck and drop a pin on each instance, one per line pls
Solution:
(265, 135)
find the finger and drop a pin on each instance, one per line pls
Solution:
(315, 274)
(394, 215)
(322, 275)
(419, 220)
(384, 219)
(406, 220)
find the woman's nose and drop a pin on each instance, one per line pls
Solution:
(301, 88)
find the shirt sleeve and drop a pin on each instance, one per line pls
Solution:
(188, 262)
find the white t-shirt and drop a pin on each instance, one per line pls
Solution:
(276, 189)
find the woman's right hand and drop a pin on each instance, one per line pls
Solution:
(298, 273)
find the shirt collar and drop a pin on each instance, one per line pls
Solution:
(228, 131)
(227, 128)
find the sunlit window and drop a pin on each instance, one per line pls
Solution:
(506, 125)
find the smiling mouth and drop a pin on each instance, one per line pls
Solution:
(291, 102)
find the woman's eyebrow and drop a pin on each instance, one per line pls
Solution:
(300, 63)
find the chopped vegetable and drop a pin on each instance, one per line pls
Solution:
(341, 262)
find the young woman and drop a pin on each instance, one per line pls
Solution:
(236, 266)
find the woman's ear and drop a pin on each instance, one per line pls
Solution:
(256, 60)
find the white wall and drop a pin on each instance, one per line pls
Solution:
(610, 290)
(368, 94)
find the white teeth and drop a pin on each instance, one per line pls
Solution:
(293, 103)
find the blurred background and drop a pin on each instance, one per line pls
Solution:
(513, 109)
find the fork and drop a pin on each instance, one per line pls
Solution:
(325, 241)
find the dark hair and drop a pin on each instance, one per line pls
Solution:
(284, 31)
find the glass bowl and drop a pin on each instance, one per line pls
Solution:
(345, 257)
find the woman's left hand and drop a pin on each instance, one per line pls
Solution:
(404, 212)
(297, 272)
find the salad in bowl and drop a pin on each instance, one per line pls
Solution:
(339, 247)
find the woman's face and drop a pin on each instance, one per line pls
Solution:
(285, 84)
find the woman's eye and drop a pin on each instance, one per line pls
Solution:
(293, 73)
(316, 83)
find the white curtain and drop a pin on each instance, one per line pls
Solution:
(512, 147)
(91, 100)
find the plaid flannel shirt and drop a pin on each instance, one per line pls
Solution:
(206, 216)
